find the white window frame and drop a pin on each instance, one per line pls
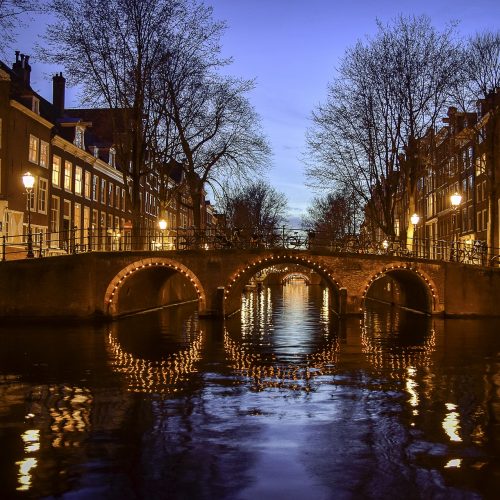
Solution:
(68, 175)
(44, 154)
(56, 172)
(78, 180)
(43, 191)
(33, 149)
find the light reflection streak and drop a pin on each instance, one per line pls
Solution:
(25, 470)
(451, 423)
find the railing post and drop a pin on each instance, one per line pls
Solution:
(3, 247)
(89, 238)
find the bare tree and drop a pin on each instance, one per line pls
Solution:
(254, 209)
(333, 216)
(389, 92)
(116, 52)
(218, 129)
(12, 16)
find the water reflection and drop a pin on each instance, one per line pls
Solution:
(280, 401)
(181, 351)
(273, 344)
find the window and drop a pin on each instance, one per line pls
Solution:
(78, 180)
(68, 167)
(54, 214)
(32, 197)
(95, 187)
(96, 152)
(87, 185)
(110, 194)
(123, 199)
(103, 191)
(117, 197)
(33, 149)
(44, 154)
(56, 171)
(77, 215)
(43, 187)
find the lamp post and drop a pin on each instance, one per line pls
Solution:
(29, 181)
(162, 223)
(455, 199)
(415, 219)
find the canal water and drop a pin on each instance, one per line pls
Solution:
(281, 401)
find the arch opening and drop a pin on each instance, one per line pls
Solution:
(402, 287)
(151, 284)
(274, 271)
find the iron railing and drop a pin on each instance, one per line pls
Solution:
(75, 240)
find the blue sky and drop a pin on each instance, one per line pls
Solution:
(291, 48)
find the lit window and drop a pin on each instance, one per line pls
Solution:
(56, 171)
(44, 154)
(95, 187)
(87, 185)
(68, 167)
(33, 149)
(43, 185)
(54, 216)
(103, 191)
(110, 194)
(117, 197)
(78, 180)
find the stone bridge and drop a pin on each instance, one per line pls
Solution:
(112, 284)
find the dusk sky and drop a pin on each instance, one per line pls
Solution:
(291, 48)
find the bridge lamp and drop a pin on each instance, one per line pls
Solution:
(455, 199)
(162, 223)
(29, 182)
(385, 245)
(415, 219)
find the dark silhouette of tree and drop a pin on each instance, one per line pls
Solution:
(333, 216)
(254, 210)
(388, 92)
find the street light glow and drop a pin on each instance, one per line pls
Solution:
(415, 219)
(28, 180)
(162, 223)
(456, 199)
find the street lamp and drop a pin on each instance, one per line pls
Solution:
(163, 225)
(455, 199)
(29, 182)
(415, 219)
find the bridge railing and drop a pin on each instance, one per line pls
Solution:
(46, 243)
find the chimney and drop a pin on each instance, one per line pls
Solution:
(22, 69)
(58, 91)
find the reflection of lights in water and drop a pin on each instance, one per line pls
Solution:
(451, 424)
(70, 414)
(25, 468)
(290, 376)
(411, 385)
(325, 310)
(155, 377)
(31, 439)
(455, 462)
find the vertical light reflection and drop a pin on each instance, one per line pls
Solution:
(411, 386)
(455, 462)
(31, 439)
(451, 424)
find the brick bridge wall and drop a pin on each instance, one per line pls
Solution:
(101, 284)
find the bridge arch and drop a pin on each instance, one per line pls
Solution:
(237, 281)
(302, 276)
(162, 265)
(415, 289)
